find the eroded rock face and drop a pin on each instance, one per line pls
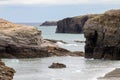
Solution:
(18, 41)
(102, 35)
(6, 73)
(73, 24)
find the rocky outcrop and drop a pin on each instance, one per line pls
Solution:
(6, 73)
(49, 23)
(57, 65)
(102, 35)
(18, 41)
(73, 24)
(54, 50)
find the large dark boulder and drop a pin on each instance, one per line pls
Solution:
(102, 35)
(73, 24)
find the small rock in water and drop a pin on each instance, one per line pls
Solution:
(57, 65)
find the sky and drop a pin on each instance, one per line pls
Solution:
(50, 10)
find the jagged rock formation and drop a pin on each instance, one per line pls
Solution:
(6, 73)
(73, 24)
(102, 35)
(18, 41)
(49, 23)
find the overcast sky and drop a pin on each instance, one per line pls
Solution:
(41, 10)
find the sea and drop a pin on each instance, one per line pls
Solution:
(78, 68)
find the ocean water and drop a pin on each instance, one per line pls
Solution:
(49, 33)
(78, 68)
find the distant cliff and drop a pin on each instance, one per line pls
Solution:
(73, 24)
(49, 23)
(102, 35)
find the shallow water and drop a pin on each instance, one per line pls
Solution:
(78, 68)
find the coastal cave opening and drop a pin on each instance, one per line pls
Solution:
(95, 37)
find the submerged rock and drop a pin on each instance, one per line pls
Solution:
(102, 35)
(49, 23)
(73, 24)
(6, 73)
(57, 65)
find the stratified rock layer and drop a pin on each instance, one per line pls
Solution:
(18, 41)
(102, 35)
(73, 24)
(6, 73)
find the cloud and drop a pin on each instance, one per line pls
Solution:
(57, 2)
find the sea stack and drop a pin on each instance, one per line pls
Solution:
(102, 35)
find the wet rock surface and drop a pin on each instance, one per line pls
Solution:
(57, 65)
(102, 35)
(6, 73)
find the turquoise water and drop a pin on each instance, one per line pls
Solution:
(49, 33)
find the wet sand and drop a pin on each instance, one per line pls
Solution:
(113, 75)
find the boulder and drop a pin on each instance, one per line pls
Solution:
(102, 35)
(19, 41)
(72, 24)
(49, 23)
(57, 65)
(6, 73)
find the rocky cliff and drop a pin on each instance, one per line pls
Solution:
(6, 73)
(49, 23)
(102, 35)
(18, 41)
(73, 24)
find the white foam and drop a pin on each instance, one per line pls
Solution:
(62, 44)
